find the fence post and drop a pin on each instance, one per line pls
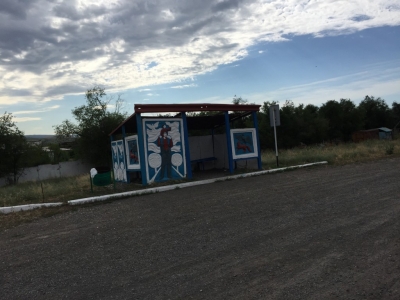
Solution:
(91, 183)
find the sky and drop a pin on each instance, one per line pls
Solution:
(182, 51)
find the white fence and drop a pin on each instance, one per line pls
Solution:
(63, 169)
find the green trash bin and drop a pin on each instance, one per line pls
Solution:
(102, 179)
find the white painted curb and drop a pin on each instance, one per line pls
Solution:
(184, 185)
(10, 209)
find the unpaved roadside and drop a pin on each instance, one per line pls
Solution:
(319, 233)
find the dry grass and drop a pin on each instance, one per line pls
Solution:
(335, 154)
(56, 190)
(64, 189)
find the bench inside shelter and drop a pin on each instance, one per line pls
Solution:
(200, 162)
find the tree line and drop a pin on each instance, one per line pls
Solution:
(301, 124)
(334, 121)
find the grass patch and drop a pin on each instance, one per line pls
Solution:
(64, 189)
(57, 190)
(335, 154)
(71, 188)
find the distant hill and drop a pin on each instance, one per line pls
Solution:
(40, 136)
(47, 139)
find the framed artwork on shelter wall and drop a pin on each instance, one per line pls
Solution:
(164, 148)
(132, 152)
(244, 143)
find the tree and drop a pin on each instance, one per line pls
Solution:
(343, 118)
(396, 111)
(94, 123)
(239, 100)
(57, 154)
(13, 146)
(242, 122)
(396, 118)
(313, 127)
(376, 113)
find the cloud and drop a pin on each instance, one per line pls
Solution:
(374, 82)
(25, 119)
(49, 49)
(214, 99)
(184, 86)
(360, 18)
(15, 9)
(46, 109)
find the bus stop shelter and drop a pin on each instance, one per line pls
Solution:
(156, 143)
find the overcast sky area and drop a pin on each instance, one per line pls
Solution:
(181, 51)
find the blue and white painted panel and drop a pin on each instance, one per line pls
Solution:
(164, 149)
(118, 155)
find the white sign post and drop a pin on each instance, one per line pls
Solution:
(275, 120)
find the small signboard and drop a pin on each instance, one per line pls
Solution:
(275, 120)
(274, 109)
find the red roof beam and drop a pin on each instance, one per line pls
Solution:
(158, 108)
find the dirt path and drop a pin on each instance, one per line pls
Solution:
(319, 233)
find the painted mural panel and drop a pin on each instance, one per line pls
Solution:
(244, 143)
(118, 155)
(164, 149)
(132, 152)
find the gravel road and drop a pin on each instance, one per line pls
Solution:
(319, 233)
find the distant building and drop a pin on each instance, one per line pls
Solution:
(381, 133)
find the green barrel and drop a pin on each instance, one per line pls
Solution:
(102, 179)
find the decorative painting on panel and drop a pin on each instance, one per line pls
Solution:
(244, 143)
(132, 152)
(164, 149)
(118, 156)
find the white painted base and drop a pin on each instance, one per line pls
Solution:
(11, 209)
(6, 210)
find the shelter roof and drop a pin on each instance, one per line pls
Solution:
(385, 129)
(158, 108)
(193, 122)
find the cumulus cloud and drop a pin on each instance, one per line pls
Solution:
(49, 49)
